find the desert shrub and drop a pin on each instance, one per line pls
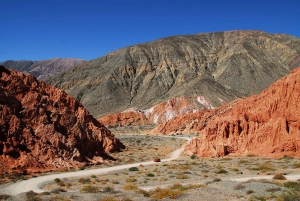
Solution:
(258, 197)
(243, 162)
(182, 176)
(44, 193)
(130, 180)
(185, 167)
(89, 189)
(264, 167)
(239, 186)
(150, 175)
(185, 187)
(279, 177)
(160, 193)
(109, 198)
(56, 180)
(59, 198)
(82, 168)
(216, 180)
(93, 176)
(143, 192)
(32, 196)
(61, 183)
(289, 195)
(4, 196)
(221, 171)
(193, 156)
(249, 191)
(57, 190)
(235, 169)
(292, 185)
(130, 187)
(296, 165)
(115, 182)
(108, 189)
(133, 169)
(84, 181)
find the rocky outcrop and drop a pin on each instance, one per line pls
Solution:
(43, 128)
(219, 66)
(157, 114)
(43, 69)
(266, 125)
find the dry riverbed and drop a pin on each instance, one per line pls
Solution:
(188, 178)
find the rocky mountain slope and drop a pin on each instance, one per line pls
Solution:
(42, 69)
(218, 66)
(265, 125)
(43, 128)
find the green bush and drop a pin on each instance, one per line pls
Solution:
(108, 189)
(133, 169)
(193, 156)
(221, 171)
(32, 196)
(150, 175)
(56, 180)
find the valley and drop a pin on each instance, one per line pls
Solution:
(210, 116)
(180, 177)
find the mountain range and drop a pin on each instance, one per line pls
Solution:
(208, 70)
(42, 69)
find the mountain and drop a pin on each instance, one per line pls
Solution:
(219, 66)
(42, 69)
(265, 125)
(42, 128)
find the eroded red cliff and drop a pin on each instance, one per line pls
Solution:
(43, 128)
(266, 125)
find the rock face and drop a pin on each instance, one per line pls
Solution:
(155, 115)
(266, 125)
(217, 66)
(43, 69)
(43, 128)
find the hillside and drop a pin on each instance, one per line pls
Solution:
(42, 128)
(265, 125)
(218, 66)
(42, 69)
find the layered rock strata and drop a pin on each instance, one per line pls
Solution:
(43, 128)
(266, 125)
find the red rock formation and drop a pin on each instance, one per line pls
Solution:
(266, 125)
(42, 127)
(158, 114)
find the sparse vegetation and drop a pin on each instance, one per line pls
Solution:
(221, 171)
(160, 193)
(4, 196)
(130, 187)
(109, 198)
(89, 189)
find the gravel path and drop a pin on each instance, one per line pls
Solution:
(35, 183)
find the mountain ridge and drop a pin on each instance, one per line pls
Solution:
(225, 65)
(42, 69)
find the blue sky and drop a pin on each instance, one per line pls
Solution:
(88, 29)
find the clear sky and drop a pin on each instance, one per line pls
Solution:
(88, 29)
